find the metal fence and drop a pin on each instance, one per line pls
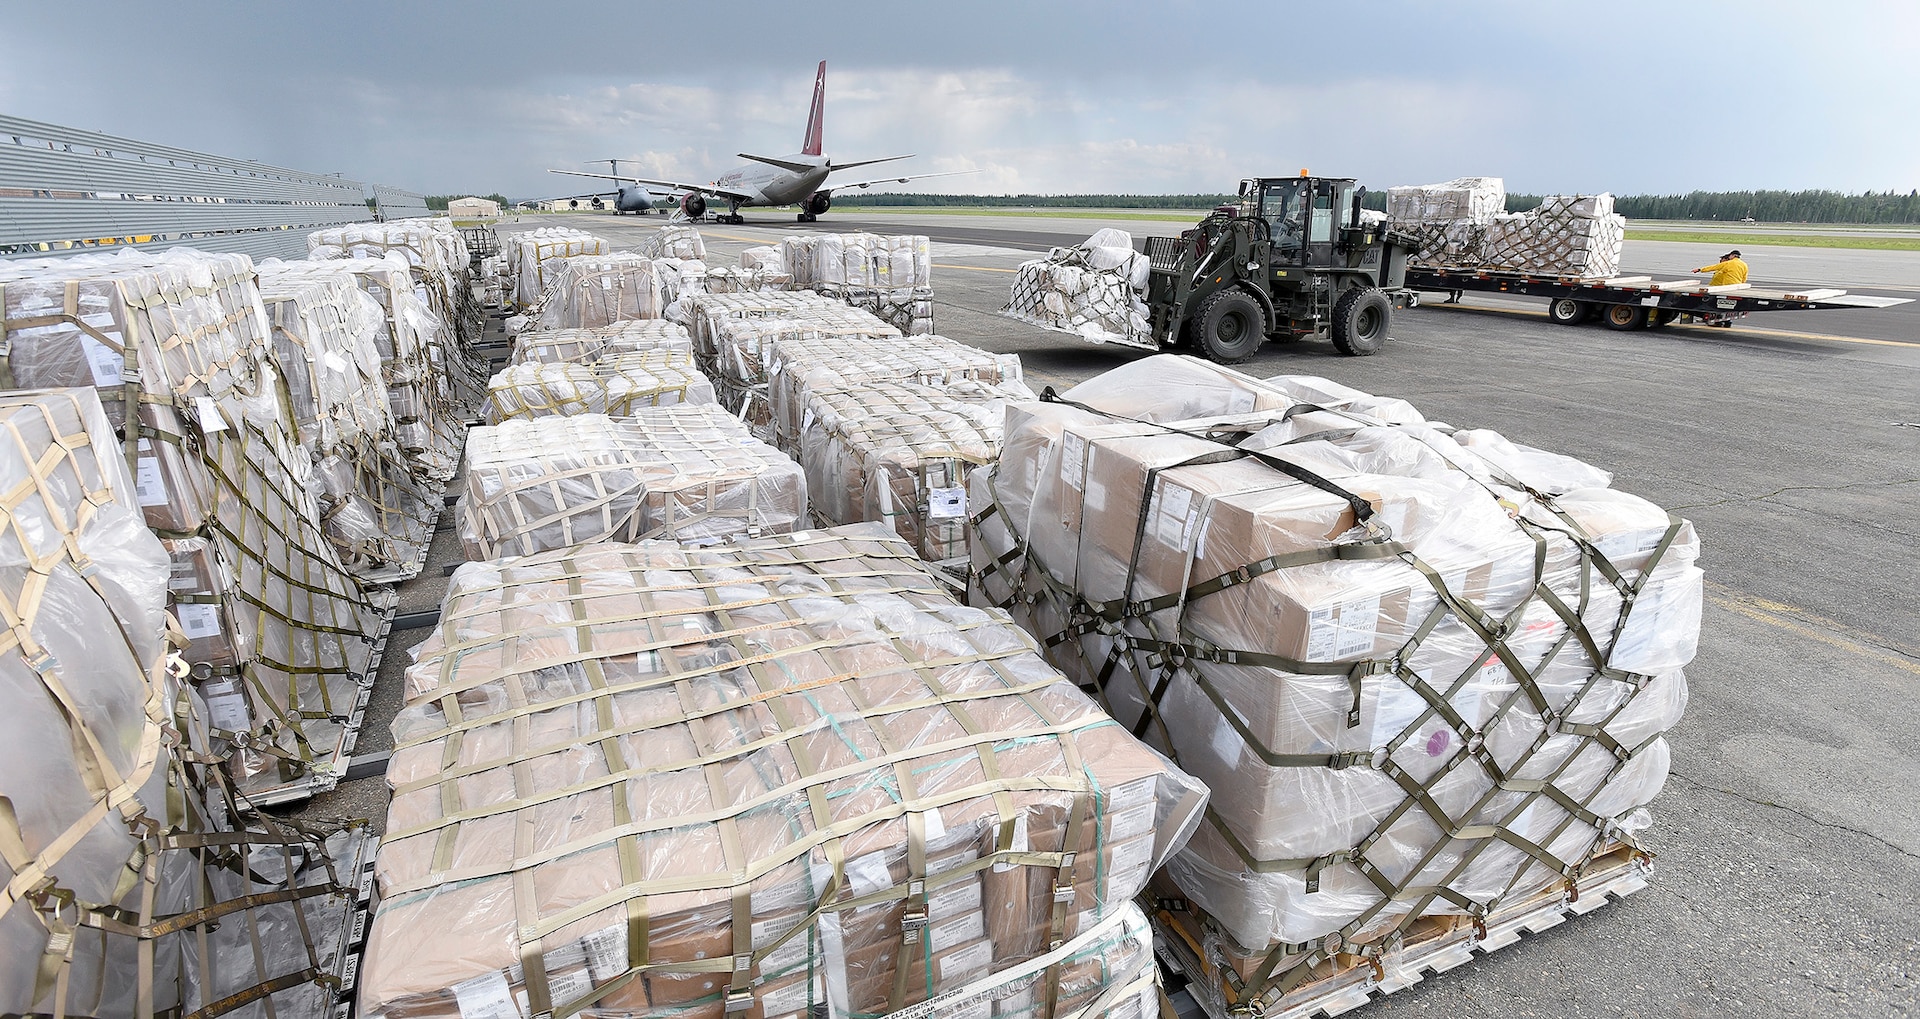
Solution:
(64, 190)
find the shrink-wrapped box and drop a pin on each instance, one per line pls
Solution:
(585, 291)
(534, 258)
(742, 346)
(616, 385)
(677, 241)
(1461, 200)
(1400, 655)
(1095, 289)
(582, 346)
(691, 473)
(1464, 224)
(795, 363)
(755, 779)
(898, 453)
(120, 852)
(704, 312)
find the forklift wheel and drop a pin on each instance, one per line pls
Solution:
(1568, 312)
(1360, 320)
(1626, 316)
(1229, 327)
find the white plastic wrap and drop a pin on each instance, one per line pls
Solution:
(586, 291)
(581, 346)
(797, 362)
(1327, 666)
(690, 473)
(1096, 290)
(765, 257)
(818, 778)
(531, 258)
(1464, 224)
(677, 241)
(615, 385)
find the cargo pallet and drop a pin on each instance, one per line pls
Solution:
(1637, 302)
(354, 938)
(325, 773)
(1429, 946)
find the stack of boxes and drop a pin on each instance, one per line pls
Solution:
(1464, 224)
(891, 276)
(532, 259)
(1096, 290)
(597, 290)
(1424, 672)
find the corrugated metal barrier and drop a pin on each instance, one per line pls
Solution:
(65, 190)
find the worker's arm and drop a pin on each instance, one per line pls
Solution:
(1715, 267)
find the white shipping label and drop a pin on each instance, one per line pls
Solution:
(149, 486)
(794, 952)
(606, 951)
(104, 361)
(486, 997)
(1127, 867)
(949, 902)
(1173, 515)
(979, 1008)
(227, 709)
(967, 961)
(1133, 821)
(786, 1000)
(209, 414)
(946, 503)
(1073, 459)
(335, 362)
(868, 874)
(183, 577)
(568, 986)
(1343, 630)
(197, 620)
(970, 927)
(1129, 794)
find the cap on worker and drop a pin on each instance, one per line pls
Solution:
(1731, 254)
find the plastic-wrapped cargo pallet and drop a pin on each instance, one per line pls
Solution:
(1565, 235)
(582, 346)
(756, 779)
(377, 515)
(531, 258)
(1424, 672)
(795, 364)
(898, 453)
(889, 275)
(705, 311)
(124, 891)
(1096, 289)
(596, 290)
(616, 385)
(183, 336)
(745, 344)
(412, 341)
(681, 242)
(689, 473)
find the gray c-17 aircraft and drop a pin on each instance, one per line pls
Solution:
(798, 179)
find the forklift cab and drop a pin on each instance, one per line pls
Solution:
(1305, 216)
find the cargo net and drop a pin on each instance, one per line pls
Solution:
(691, 473)
(756, 779)
(1095, 290)
(377, 514)
(585, 291)
(897, 453)
(181, 336)
(1424, 672)
(616, 385)
(126, 888)
(437, 258)
(1463, 224)
(888, 275)
(796, 363)
(584, 346)
(728, 279)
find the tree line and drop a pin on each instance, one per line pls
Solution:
(1817, 206)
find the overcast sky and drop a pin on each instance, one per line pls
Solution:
(1040, 96)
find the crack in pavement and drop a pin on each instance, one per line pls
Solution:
(1697, 784)
(1796, 488)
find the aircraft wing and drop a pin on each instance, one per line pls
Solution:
(837, 186)
(678, 185)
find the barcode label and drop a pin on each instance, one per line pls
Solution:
(104, 361)
(198, 620)
(149, 487)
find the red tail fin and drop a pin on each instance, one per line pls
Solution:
(812, 146)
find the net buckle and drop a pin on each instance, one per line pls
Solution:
(912, 925)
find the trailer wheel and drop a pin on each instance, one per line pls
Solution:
(1360, 320)
(1661, 317)
(1626, 316)
(1229, 327)
(1568, 312)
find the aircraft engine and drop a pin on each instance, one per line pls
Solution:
(694, 206)
(818, 203)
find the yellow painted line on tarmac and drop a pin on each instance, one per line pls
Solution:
(1806, 624)
(975, 268)
(1702, 330)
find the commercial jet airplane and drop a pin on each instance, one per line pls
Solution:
(799, 179)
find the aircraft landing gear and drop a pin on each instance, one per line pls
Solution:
(806, 217)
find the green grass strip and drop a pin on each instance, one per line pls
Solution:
(1794, 240)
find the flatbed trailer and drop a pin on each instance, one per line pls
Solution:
(1638, 302)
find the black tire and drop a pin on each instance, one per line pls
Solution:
(1625, 316)
(1360, 321)
(1229, 327)
(1568, 312)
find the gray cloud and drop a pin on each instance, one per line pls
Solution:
(1064, 96)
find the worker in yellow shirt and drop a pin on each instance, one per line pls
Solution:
(1730, 269)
